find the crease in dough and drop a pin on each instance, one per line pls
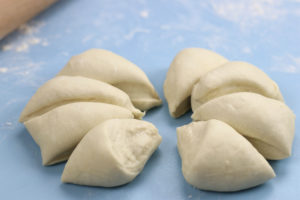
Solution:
(66, 89)
(267, 123)
(188, 66)
(58, 131)
(113, 69)
(215, 157)
(112, 153)
(233, 77)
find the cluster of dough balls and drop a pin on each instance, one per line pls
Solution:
(240, 120)
(86, 115)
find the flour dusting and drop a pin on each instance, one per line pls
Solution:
(27, 38)
(34, 40)
(246, 50)
(286, 63)
(133, 32)
(31, 28)
(6, 47)
(144, 14)
(45, 43)
(8, 123)
(87, 38)
(22, 47)
(3, 70)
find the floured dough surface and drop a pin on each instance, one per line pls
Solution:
(68, 89)
(58, 131)
(113, 69)
(215, 157)
(269, 124)
(230, 78)
(185, 70)
(113, 153)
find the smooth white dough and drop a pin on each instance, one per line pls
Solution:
(111, 68)
(112, 153)
(185, 70)
(215, 157)
(267, 123)
(230, 78)
(58, 131)
(65, 89)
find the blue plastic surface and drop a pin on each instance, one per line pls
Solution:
(149, 33)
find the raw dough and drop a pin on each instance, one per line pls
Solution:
(58, 131)
(267, 123)
(185, 70)
(112, 154)
(230, 78)
(215, 157)
(66, 89)
(111, 68)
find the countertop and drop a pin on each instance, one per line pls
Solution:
(148, 33)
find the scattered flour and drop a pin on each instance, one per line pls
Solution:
(28, 37)
(22, 47)
(246, 50)
(248, 13)
(64, 53)
(6, 47)
(8, 123)
(87, 38)
(45, 43)
(165, 27)
(286, 63)
(178, 39)
(3, 70)
(34, 40)
(133, 32)
(31, 27)
(144, 14)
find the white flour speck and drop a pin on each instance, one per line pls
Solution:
(8, 123)
(87, 38)
(6, 47)
(133, 32)
(3, 70)
(29, 38)
(64, 53)
(45, 43)
(178, 39)
(246, 50)
(31, 28)
(34, 40)
(22, 47)
(144, 14)
(190, 196)
(165, 27)
(286, 63)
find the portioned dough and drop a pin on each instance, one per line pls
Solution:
(112, 154)
(185, 70)
(267, 123)
(111, 68)
(66, 89)
(230, 78)
(58, 131)
(215, 157)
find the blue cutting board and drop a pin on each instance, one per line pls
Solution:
(149, 33)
